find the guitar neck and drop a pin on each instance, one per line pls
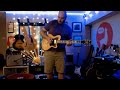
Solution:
(18, 27)
(72, 41)
(29, 32)
(28, 27)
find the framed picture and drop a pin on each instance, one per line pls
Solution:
(78, 39)
(77, 26)
(11, 27)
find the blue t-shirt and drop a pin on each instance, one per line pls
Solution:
(54, 28)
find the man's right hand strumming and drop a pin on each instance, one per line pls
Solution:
(49, 39)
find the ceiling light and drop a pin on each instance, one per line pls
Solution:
(40, 12)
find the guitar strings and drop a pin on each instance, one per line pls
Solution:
(26, 54)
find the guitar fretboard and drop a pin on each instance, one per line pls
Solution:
(73, 41)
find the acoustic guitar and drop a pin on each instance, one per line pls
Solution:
(31, 46)
(19, 39)
(56, 39)
(29, 40)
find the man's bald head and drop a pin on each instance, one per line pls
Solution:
(62, 15)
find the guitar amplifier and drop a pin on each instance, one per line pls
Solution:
(14, 60)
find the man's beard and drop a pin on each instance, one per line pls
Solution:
(61, 22)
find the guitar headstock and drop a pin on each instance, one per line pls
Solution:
(45, 21)
(18, 20)
(28, 21)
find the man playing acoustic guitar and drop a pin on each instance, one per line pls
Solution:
(54, 53)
